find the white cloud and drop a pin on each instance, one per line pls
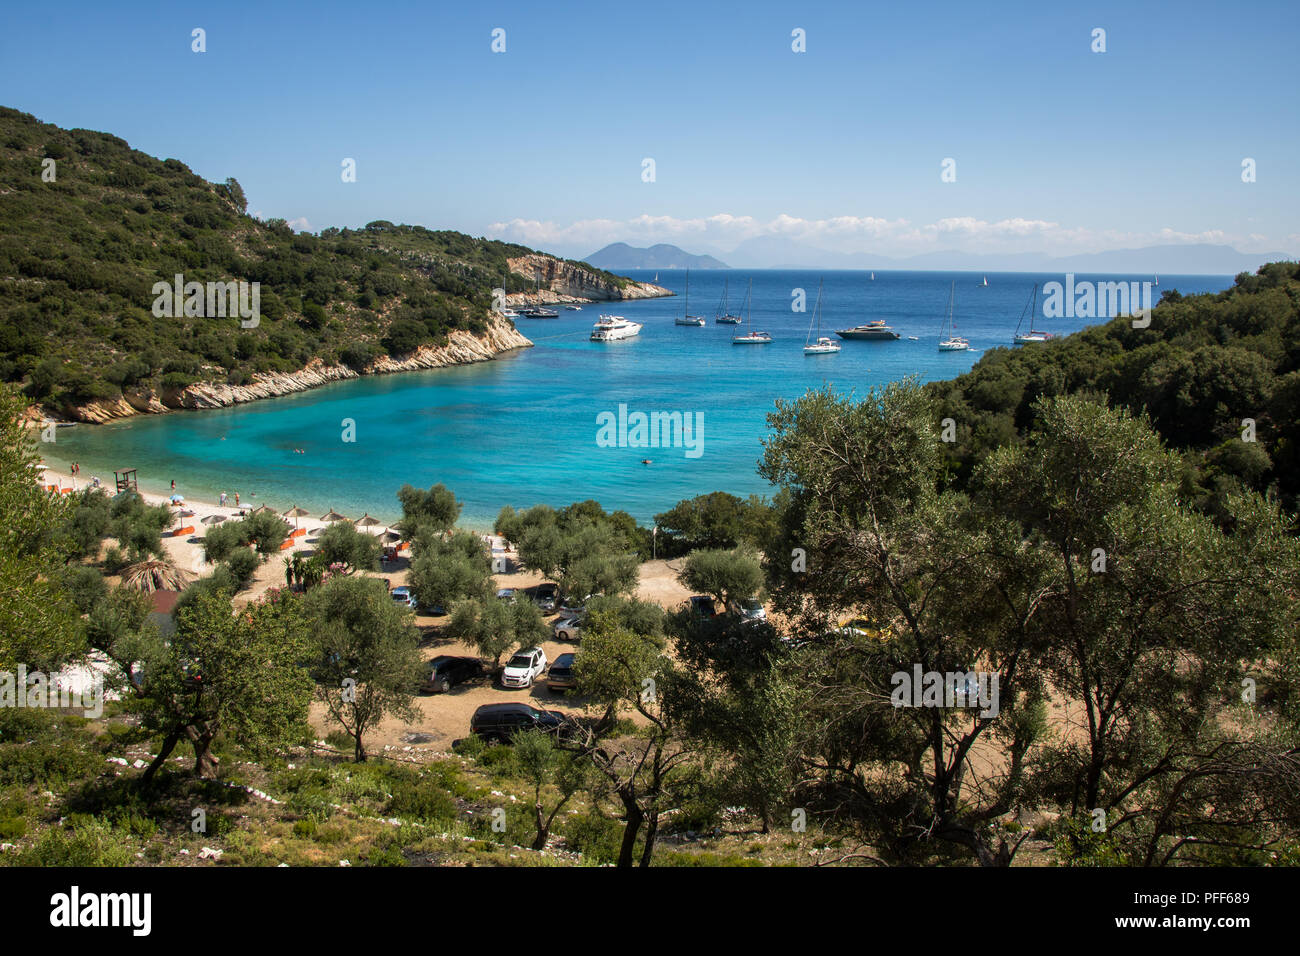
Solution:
(722, 232)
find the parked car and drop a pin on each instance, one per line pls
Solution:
(568, 628)
(403, 596)
(506, 594)
(503, 721)
(524, 668)
(702, 606)
(546, 596)
(446, 672)
(560, 677)
(571, 605)
(750, 610)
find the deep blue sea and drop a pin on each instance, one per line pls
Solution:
(522, 430)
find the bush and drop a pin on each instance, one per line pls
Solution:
(421, 800)
(85, 844)
(85, 585)
(241, 566)
(597, 838)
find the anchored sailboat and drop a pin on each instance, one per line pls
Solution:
(824, 344)
(1031, 308)
(723, 316)
(686, 318)
(953, 342)
(750, 338)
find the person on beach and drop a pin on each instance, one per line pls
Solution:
(173, 484)
(223, 499)
(236, 499)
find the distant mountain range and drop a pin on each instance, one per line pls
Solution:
(619, 255)
(778, 252)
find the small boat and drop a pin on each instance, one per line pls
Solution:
(509, 313)
(875, 330)
(873, 277)
(686, 318)
(1031, 309)
(574, 308)
(912, 338)
(723, 316)
(540, 313)
(954, 342)
(824, 345)
(750, 338)
(613, 328)
(985, 282)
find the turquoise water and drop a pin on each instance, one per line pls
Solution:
(522, 430)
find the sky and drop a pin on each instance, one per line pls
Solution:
(1056, 148)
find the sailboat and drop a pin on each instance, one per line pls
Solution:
(1031, 308)
(824, 344)
(723, 316)
(686, 318)
(873, 277)
(985, 282)
(750, 338)
(1157, 280)
(954, 342)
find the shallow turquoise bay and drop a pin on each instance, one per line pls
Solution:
(521, 430)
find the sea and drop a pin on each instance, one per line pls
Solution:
(556, 423)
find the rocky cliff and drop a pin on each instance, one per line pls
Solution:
(461, 348)
(565, 282)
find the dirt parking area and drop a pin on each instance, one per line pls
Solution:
(444, 718)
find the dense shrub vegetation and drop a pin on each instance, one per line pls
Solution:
(79, 257)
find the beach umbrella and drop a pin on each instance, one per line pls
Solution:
(213, 519)
(365, 521)
(333, 516)
(259, 509)
(295, 513)
(390, 537)
(177, 499)
(149, 576)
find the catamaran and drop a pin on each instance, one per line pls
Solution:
(686, 318)
(1033, 335)
(954, 342)
(612, 328)
(750, 338)
(824, 344)
(723, 316)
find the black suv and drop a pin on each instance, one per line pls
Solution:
(445, 672)
(503, 721)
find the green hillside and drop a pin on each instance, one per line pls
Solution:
(79, 256)
(1205, 365)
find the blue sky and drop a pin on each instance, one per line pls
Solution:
(1057, 148)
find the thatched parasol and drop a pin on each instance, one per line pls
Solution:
(333, 516)
(149, 576)
(365, 521)
(295, 513)
(213, 519)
